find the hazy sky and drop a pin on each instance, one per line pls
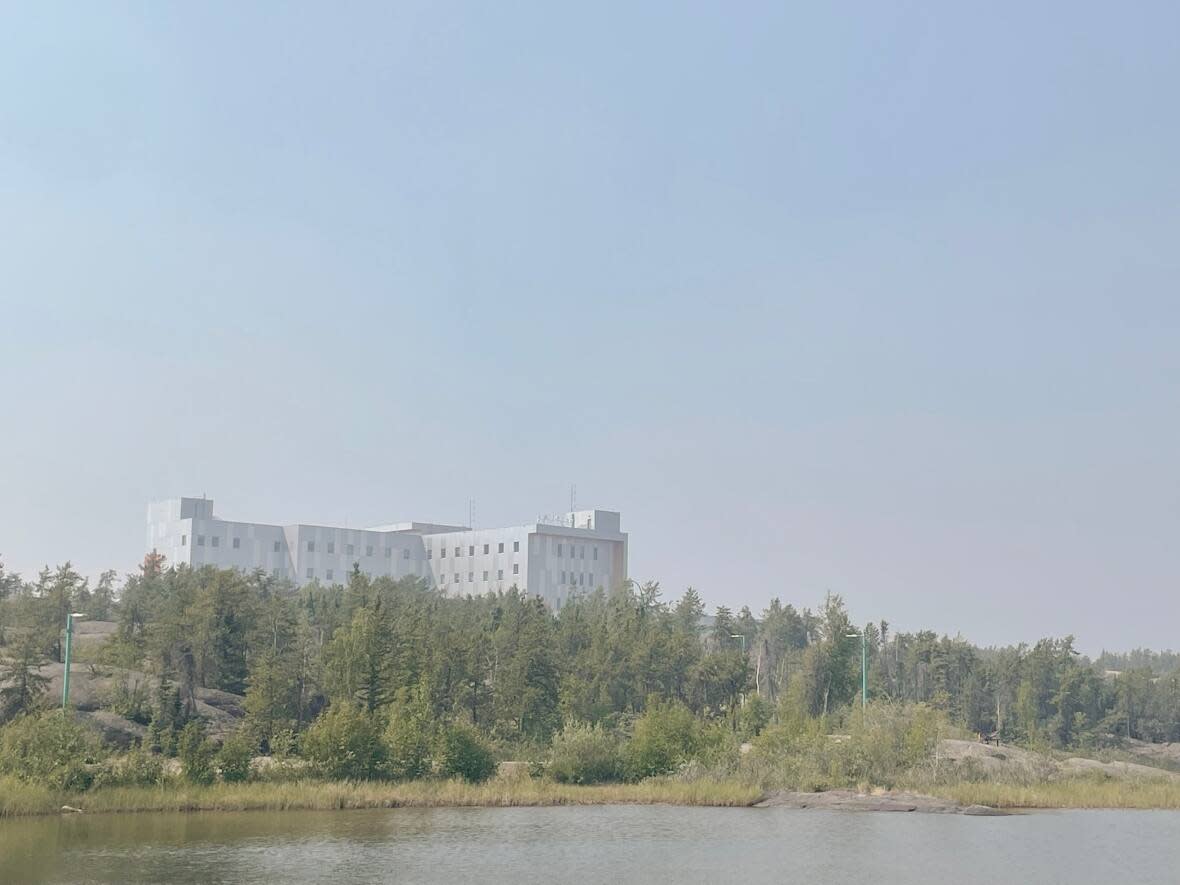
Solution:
(876, 298)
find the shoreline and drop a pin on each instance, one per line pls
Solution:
(19, 799)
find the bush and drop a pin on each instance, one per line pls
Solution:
(407, 742)
(51, 749)
(664, 738)
(585, 754)
(345, 743)
(138, 768)
(884, 746)
(196, 754)
(754, 716)
(233, 759)
(463, 753)
(284, 744)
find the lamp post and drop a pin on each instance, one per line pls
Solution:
(742, 637)
(864, 668)
(65, 680)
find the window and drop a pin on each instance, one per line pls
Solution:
(500, 575)
(237, 543)
(516, 568)
(442, 554)
(471, 550)
(216, 540)
(328, 574)
(350, 549)
(311, 547)
(485, 576)
(516, 546)
(369, 550)
(389, 553)
(591, 580)
(486, 549)
(458, 551)
(406, 553)
(596, 553)
(331, 546)
(429, 553)
(456, 581)
(558, 551)
(200, 540)
(581, 553)
(274, 572)
(470, 577)
(276, 546)
(310, 573)
(582, 579)
(501, 547)
(184, 540)
(563, 577)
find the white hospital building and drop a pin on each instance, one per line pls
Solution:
(552, 559)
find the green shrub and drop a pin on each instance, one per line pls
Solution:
(585, 754)
(129, 699)
(196, 754)
(463, 753)
(754, 716)
(884, 744)
(284, 744)
(345, 743)
(51, 749)
(233, 759)
(407, 742)
(664, 738)
(138, 768)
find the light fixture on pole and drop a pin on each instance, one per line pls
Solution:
(65, 679)
(864, 668)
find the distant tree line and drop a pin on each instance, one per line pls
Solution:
(506, 667)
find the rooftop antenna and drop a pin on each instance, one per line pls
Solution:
(573, 502)
(471, 513)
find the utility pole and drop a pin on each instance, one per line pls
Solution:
(65, 680)
(864, 666)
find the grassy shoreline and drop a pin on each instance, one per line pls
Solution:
(19, 798)
(1076, 793)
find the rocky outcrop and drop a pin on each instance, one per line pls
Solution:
(886, 800)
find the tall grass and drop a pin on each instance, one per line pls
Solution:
(18, 797)
(1074, 792)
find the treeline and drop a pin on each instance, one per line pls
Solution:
(513, 672)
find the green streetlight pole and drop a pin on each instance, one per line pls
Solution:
(65, 680)
(864, 667)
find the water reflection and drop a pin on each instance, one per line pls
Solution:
(650, 844)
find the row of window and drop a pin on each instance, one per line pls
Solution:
(577, 552)
(350, 550)
(471, 575)
(487, 548)
(578, 580)
(215, 541)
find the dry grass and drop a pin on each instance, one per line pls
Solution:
(19, 798)
(1079, 792)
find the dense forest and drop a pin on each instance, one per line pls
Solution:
(514, 671)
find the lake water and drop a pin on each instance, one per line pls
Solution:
(595, 844)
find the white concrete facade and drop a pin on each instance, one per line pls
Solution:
(575, 554)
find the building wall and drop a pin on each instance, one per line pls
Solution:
(550, 561)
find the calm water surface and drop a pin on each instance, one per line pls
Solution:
(600, 844)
